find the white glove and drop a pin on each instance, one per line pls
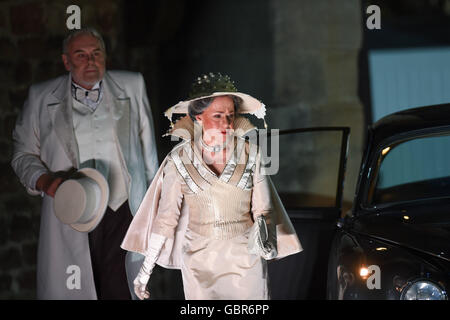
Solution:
(262, 242)
(156, 243)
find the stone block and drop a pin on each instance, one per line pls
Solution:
(5, 282)
(4, 227)
(22, 228)
(36, 217)
(23, 73)
(48, 69)
(9, 121)
(6, 73)
(32, 48)
(3, 16)
(54, 47)
(56, 16)
(29, 252)
(10, 258)
(4, 97)
(7, 49)
(350, 115)
(310, 155)
(288, 117)
(89, 16)
(107, 16)
(27, 18)
(6, 155)
(344, 25)
(17, 97)
(19, 205)
(302, 24)
(338, 113)
(27, 279)
(317, 24)
(299, 78)
(341, 70)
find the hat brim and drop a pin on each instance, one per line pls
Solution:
(104, 198)
(249, 104)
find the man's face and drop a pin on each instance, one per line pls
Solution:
(85, 58)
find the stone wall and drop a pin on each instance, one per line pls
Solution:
(316, 46)
(298, 57)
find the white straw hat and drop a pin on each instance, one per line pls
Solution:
(82, 200)
(214, 85)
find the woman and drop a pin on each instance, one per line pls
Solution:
(210, 211)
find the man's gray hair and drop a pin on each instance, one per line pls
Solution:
(88, 30)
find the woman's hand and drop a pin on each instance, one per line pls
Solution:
(140, 285)
(156, 243)
(269, 250)
(261, 241)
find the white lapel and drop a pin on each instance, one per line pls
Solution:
(60, 110)
(120, 112)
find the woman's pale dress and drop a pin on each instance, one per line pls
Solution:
(213, 255)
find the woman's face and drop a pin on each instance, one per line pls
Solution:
(218, 119)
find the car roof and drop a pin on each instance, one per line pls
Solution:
(410, 120)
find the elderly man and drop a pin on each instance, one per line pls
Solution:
(87, 118)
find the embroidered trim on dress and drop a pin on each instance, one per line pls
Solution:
(183, 172)
(251, 163)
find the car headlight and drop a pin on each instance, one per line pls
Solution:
(423, 290)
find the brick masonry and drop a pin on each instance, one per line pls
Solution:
(303, 65)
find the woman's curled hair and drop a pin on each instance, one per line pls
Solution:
(197, 107)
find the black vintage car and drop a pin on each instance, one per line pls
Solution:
(395, 241)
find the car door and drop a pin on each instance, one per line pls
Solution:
(309, 180)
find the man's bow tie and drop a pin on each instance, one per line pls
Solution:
(81, 94)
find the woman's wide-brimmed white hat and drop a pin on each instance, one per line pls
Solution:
(214, 85)
(81, 201)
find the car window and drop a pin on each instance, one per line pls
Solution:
(413, 170)
(308, 170)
